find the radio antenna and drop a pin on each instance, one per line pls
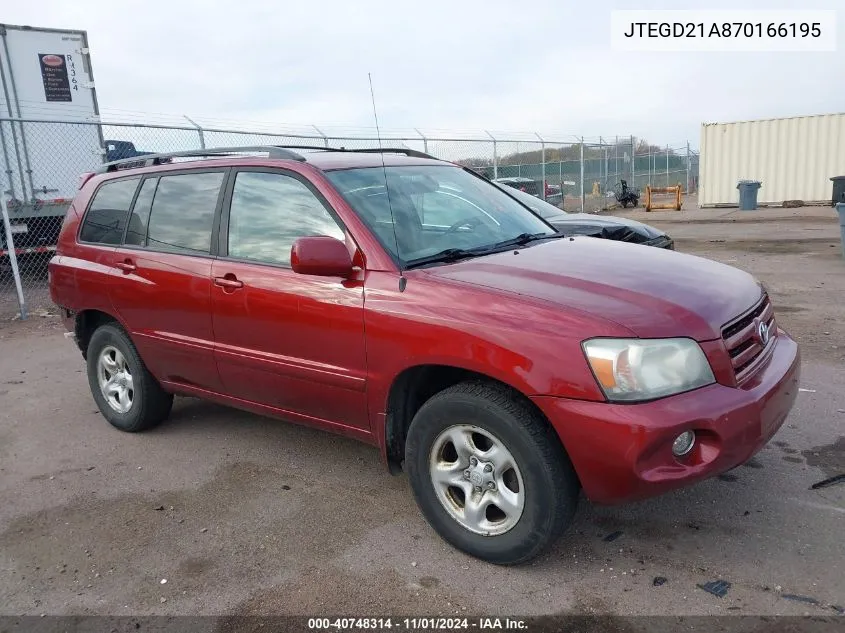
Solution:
(402, 281)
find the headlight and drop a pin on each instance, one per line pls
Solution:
(642, 369)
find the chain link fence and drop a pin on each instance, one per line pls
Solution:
(42, 162)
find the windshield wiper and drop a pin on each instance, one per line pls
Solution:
(447, 255)
(454, 254)
(526, 238)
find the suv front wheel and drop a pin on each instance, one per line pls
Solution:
(489, 474)
(126, 393)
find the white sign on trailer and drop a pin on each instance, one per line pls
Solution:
(46, 75)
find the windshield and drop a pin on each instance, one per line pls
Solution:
(436, 208)
(538, 206)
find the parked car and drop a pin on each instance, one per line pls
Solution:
(408, 303)
(527, 185)
(608, 227)
(553, 195)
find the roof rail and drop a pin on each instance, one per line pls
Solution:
(393, 150)
(148, 160)
(273, 151)
(370, 150)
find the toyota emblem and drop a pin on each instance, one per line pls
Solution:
(763, 333)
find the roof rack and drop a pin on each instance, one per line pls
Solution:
(148, 160)
(369, 150)
(385, 150)
(273, 151)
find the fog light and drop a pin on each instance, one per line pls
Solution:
(683, 443)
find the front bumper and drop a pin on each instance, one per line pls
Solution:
(622, 452)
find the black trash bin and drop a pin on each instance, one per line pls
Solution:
(838, 190)
(748, 194)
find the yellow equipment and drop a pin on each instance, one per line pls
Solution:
(672, 205)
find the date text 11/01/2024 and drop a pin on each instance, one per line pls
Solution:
(416, 624)
(724, 29)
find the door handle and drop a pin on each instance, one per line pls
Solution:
(230, 282)
(126, 266)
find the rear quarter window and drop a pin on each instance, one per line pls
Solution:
(106, 218)
(136, 232)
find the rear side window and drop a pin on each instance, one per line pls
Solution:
(106, 217)
(182, 214)
(136, 232)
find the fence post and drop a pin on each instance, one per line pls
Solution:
(495, 156)
(688, 169)
(616, 161)
(324, 137)
(543, 161)
(13, 259)
(199, 130)
(425, 140)
(651, 165)
(601, 179)
(583, 193)
(667, 166)
(633, 163)
(606, 169)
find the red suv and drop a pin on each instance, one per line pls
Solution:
(411, 304)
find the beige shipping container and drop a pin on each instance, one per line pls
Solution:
(793, 158)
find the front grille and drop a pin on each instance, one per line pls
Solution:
(742, 338)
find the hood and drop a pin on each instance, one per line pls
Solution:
(609, 227)
(651, 292)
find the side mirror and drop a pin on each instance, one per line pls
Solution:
(322, 256)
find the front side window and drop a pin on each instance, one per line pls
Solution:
(182, 214)
(434, 208)
(269, 212)
(106, 217)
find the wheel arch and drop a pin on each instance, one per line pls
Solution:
(86, 323)
(415, 385)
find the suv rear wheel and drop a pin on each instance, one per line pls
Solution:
(489, 474)
(126, 393)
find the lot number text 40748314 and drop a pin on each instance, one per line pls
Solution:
(417, 624)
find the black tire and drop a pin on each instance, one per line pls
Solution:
(150, 403)
(551, 485)
(625, 204)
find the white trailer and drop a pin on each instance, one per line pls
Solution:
(46, 78)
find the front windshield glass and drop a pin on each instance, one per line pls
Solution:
(435, 208)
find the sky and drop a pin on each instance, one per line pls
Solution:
(442, 67)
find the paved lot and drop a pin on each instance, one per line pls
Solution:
(245, 515)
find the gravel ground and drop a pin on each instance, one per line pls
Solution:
(245, 515)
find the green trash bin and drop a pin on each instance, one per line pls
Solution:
(748, 194)
(840, 208)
